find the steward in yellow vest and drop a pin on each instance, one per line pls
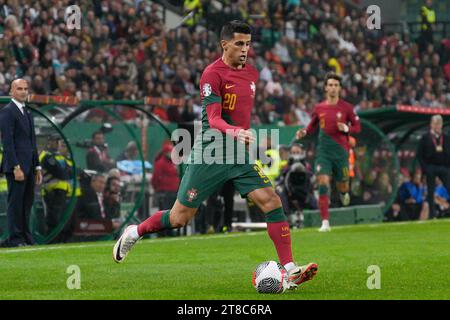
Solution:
(56, 184)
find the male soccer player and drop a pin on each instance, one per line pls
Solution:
(227, 89)
(336, 119)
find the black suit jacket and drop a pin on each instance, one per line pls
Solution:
(88, 206)
(18, 139)
(427, 155)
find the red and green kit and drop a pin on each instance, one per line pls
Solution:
(333, 145)
(227, 98)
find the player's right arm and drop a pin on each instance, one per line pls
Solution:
(312, 126)
(210, 84)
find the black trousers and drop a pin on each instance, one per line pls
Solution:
(20, 201)
(410, 211)
(165, 201)
(219, 215)
(433, 171)
(55, 202)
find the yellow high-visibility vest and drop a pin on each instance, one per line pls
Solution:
(57, 184)
(430, 16)
(273, 170)
(190, 5)
(3, 185)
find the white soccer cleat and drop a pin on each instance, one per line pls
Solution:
(325, 226)
(300, 274)
(345, 199)
(124, 244)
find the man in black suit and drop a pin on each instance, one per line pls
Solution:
(91, 203)
(20, 164)
(434, 156)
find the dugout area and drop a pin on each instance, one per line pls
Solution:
(385, 132)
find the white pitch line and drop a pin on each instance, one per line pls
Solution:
(210, 237)
(152, 241)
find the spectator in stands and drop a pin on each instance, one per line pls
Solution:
(127, 52)
(434, 157)
(428, 20)
(91, 203)
(114, 172)
(411, 198)
(97, 157)
(111, 200)
(188, 114)
(131, 152)
(442, 199)
(165, 179)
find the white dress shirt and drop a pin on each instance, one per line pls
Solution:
(100, 202)
(19, 105)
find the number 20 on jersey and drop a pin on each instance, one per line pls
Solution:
(229, 101)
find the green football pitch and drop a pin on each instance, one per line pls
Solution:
(413, 261)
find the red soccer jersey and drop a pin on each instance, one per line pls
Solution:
(326, 117)
(233, 89)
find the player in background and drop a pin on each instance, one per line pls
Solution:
(227, 89)
(336, 120)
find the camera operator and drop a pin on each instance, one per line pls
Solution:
(295, 184)
(97, 157)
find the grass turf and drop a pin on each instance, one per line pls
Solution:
(414, 260)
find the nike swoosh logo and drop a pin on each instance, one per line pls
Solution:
(286, 235)
(118, 250)
(229, 86)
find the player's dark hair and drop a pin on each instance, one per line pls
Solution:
(232, 27)
(334, 76)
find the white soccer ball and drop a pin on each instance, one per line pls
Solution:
(270, 277)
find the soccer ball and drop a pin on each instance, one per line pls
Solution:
(270, 277)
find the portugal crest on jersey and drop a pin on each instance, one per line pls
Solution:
(253, 87)
(206, 90)
(192, 194)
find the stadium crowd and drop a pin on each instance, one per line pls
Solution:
(124, 51)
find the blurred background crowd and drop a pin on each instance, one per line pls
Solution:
(124, 51)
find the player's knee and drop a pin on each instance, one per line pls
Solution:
(271, 202)
(323, 180)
